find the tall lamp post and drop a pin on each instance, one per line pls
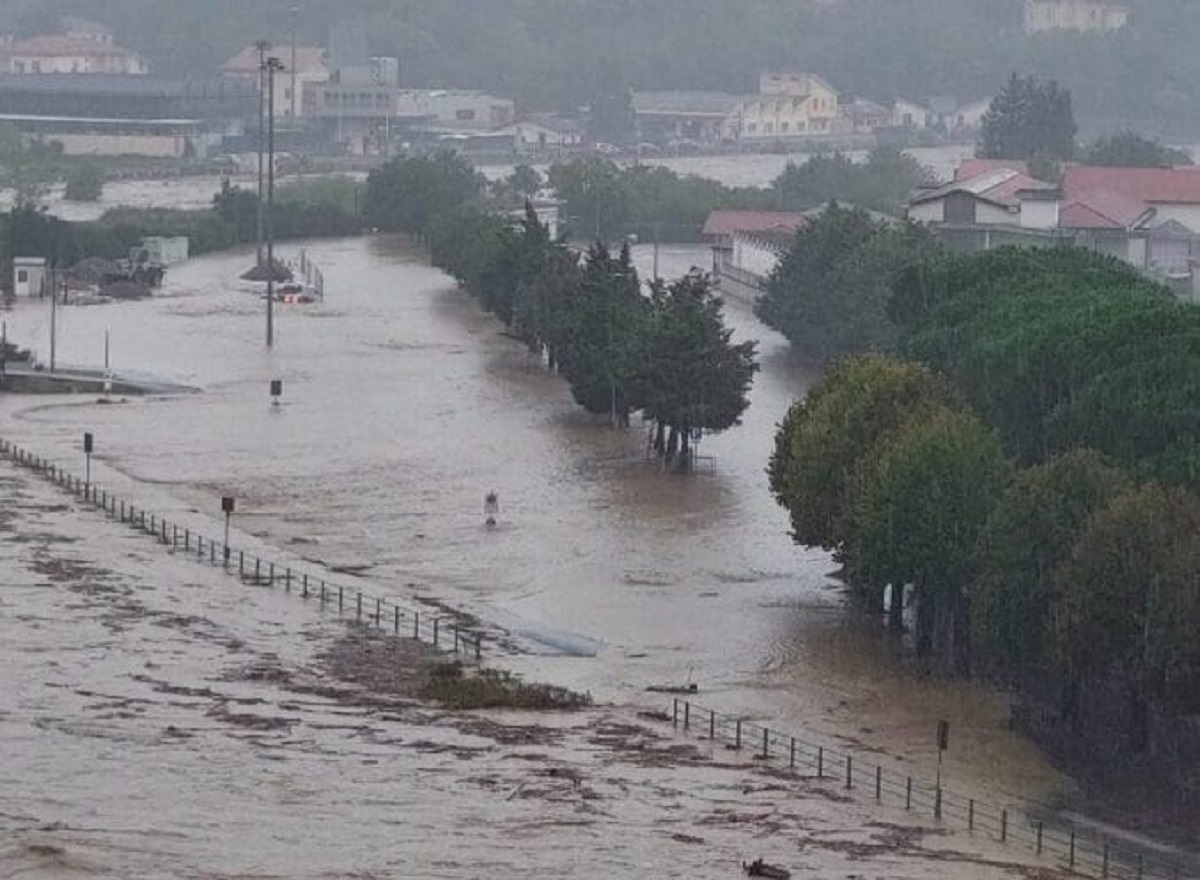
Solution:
(262, 46)
(295, 12)
(272, 65)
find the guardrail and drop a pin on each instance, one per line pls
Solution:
(1080, 851)
(385, 614)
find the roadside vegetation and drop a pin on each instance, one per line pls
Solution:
(665, 353)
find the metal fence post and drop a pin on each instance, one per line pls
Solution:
(971, 814)
(287, 583)
(675, 712)
(849, 772)
(1071, 857)
(341, 599)
(379, 610)
(937, 803)
(820, 762)
(792, 753)
(908, 794)
(687, 714)
(304, 586)
(358, 608)
(271, 573)
(738, 735)
(1004, 826)
(257, 569)
(878, 783)
(478, 647)
(1040, 829)
(396, 620)
(712, 724)
(435, 631)
(766, 743)
(416, 624)
(322, 594)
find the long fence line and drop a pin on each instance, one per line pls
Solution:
(385, 614)
(1081, 851)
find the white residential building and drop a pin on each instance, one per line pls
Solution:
(1074, 15)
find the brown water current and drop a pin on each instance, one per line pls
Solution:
(403, 404)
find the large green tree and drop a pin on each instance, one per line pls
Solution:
(824, 440)
(918, 508)
(1032, 530)
(405, 194)
(1130, 599)
(1029, 119)
(830, 293)
(694, 378)
(883, 182)
(1128, 148)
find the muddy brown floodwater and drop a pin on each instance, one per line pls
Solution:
(403, 405)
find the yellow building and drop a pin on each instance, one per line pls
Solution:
(789, 105)
(1074, 15)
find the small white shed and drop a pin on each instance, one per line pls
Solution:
(29, 274)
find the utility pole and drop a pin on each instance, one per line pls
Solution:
(295, 12)
(273, 65)
(262, 46)
(53, 314)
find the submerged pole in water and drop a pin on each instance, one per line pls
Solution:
(491, 508)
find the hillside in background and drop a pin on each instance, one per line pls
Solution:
(551, 54)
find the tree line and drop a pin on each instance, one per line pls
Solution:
(1015, 448)
(607, 200)
(664, 352)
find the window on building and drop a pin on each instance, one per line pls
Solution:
(22, 276)
(752, 128)
(783, 127)
(768, 128)
(37, 66)
(464, 115)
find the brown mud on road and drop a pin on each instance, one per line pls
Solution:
(161, 720)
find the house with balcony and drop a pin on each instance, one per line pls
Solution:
(81, 46)
(789, 105)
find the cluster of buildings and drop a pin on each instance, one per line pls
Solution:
(79, 92)
(1042, 16)
(790, 109)
(1147, 217)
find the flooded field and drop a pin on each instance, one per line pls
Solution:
(403, 405)
(162, 720)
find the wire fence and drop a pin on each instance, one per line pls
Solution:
(1081, 851)
(385, 614)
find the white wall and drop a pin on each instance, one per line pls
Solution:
(928, 212)
(170, 146)
(753, 255)
(1039, 214)
(1188, 215)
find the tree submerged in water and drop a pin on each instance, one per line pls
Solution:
(696, 379)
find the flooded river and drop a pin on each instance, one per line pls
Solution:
(403, 404)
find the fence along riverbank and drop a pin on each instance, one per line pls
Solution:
(251, 568)
(1079, 850)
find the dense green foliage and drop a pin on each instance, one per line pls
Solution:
(1029, 120)
(1128, 148)
(824, 439)
(1073, 579)
(85, 183)
(555, 53)
(605, 201)
(921, 500)
(407, 193)
(1061, 348)
(830, 293)
(1031, 532)
(884, 182)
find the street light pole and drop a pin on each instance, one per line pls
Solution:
(273, 65)
(295, 12)
(262, 46)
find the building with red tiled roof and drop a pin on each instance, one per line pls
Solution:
(993, 197)
(1174, 193)
(69, 53)
(721, 224)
